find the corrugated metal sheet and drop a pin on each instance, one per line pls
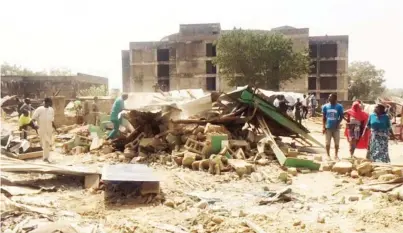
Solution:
(128, 172)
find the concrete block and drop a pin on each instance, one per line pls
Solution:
(343, 167)
(150, 188)
(91, 181)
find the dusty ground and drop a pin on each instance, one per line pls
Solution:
(231, 200)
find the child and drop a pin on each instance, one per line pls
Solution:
(26, 121)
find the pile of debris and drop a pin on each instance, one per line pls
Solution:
(235, 132)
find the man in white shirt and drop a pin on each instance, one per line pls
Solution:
(314, 104)
(45, 116)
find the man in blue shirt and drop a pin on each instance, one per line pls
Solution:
(332, 117)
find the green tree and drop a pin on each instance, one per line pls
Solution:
(366, 82)
(7, 69)
(261, 59)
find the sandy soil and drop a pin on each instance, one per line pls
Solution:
(232, 200)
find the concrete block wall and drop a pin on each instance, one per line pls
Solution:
(58, 107)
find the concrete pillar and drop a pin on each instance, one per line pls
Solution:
(58, 106)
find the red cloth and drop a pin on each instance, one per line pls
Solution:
(356, 112)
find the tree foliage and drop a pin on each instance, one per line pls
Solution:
(7, 69)
(247, 57)
(94, 91)
(366, 82)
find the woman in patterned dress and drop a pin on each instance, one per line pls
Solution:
(379, 123)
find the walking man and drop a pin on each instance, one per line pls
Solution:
(45, 116)
(332, 117)
(314, 104)
(298, 115)
(117, 107)
(305, 104)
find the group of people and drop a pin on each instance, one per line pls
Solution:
(86, 112)
(42, 121)
(363, 131)
(301, 108)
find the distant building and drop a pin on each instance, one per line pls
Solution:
(47, 86)
(183, 60)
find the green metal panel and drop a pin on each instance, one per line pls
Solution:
(216, 142)
(305, 163)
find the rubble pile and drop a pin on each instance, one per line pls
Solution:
(233, 134)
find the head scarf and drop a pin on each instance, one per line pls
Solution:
(356, 112)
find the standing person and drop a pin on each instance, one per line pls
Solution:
(45, 116)
(332, 117)
(379, 123)
(305, 104)
(95, 110)
(78, 107)
(276, 101)
(356, 122)
(282, 105)
(298, 106)
(19, 104)
(314, 104)
(117, 107)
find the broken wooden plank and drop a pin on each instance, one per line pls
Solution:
(282, 159)
(30, 155)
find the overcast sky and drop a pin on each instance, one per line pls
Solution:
(87, 35)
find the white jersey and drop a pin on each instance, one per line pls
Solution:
(44, 117)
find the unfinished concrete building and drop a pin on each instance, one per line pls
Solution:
(184, 60)
(47, 86)
(328, 74)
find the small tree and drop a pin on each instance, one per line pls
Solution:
(261, 59)
(365, 81)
